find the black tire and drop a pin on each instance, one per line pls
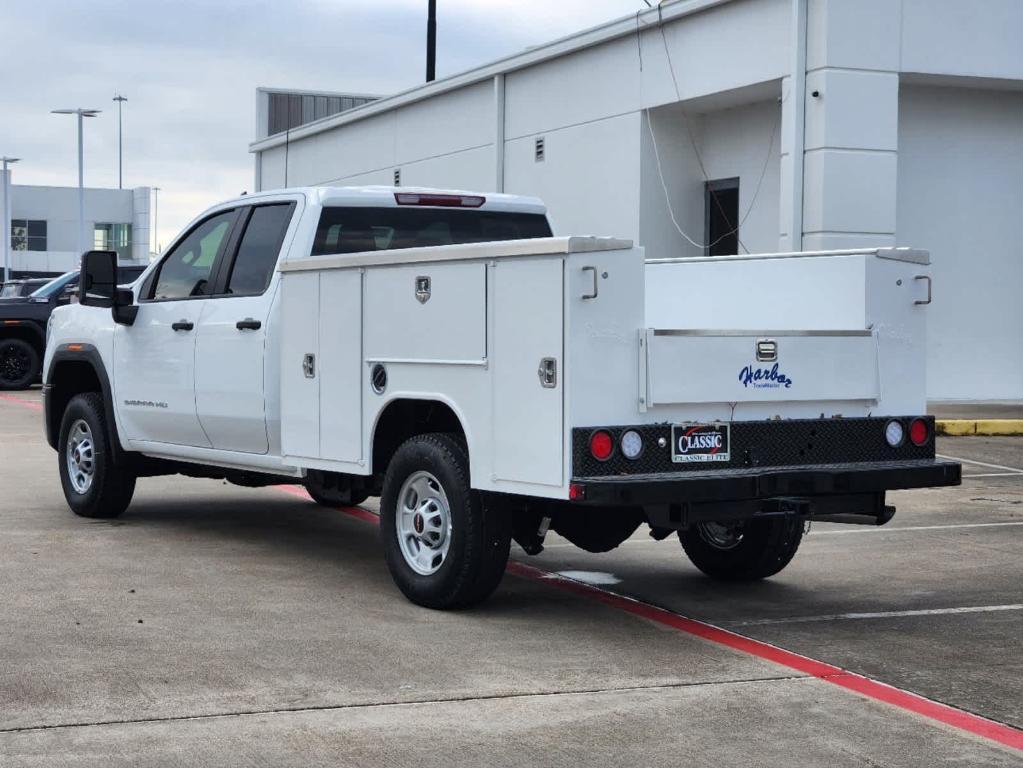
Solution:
(765, 548)
(19, 364)
(112, 486)
(327, 494)
(480, 532)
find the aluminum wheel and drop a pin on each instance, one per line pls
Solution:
(423, 523)
(81, 456)
(721, 535)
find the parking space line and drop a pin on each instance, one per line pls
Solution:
(877, 615)
(992, 474)
(872, 689)
(979, 463)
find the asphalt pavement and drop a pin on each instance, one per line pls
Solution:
(217, 625)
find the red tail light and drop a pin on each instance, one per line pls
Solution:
(601, 445)
(442, 201)
(919, 432)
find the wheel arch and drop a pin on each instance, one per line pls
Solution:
(405, 416)
(74, 369)
(26, 331)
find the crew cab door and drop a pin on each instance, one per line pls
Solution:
(231, 369)
(154, 359)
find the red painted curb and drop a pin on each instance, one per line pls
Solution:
(864, 686)
(25, 403)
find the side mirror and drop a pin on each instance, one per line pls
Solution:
(98, 280)
(97, 287)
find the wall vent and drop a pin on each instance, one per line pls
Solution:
(539, 149)
(397, 177)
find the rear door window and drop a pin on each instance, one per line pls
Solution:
(354, 230)
(258, 250)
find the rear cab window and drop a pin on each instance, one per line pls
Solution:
(354, 230)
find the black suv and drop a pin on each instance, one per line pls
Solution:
(23, 326)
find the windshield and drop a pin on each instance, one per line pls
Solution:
(54, 285)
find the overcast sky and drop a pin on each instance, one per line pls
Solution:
(189, 69)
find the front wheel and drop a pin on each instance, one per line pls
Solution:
(445, 546)
(94, 484)
(743, 551)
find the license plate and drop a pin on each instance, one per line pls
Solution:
(700, 443)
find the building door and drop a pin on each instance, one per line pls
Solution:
(721, 201)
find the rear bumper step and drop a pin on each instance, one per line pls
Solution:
(758, 484)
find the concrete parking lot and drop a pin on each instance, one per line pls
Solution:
(216, 625)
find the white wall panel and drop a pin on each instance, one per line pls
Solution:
(960, 196)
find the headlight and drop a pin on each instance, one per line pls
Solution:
(632, 444)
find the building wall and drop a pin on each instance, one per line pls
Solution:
(960, 196)
(58, 206)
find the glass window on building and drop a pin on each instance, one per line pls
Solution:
(28, 235)
(113, 237)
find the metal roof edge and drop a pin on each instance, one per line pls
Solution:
(577, 41)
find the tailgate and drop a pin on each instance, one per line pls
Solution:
(721, 366)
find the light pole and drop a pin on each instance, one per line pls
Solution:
(81, 172)
(156, 220)
(7, 215)
(120, 148)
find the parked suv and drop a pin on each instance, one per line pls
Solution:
(23, 326)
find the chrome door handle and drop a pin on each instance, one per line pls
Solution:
(182, 325)
(248, 324)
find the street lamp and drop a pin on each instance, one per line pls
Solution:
(7, 215)
(120, 152)
(81, 173)
(156, 211)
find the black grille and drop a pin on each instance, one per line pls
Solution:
(792, 442)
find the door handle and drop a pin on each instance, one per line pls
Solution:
(248, 324)
(182, 325)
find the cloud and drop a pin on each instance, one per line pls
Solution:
(190, 69)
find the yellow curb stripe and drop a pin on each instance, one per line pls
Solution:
(956, 427)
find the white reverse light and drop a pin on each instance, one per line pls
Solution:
(632, 444)
(894, 434)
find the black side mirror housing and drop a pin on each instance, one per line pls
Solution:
(97, 287)
(98, 279)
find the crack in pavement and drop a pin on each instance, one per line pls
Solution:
(410, 703)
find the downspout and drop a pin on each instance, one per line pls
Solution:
(798, 96)
(499, 133)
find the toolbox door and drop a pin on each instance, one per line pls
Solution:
(527, 357)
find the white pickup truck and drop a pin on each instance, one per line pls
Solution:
(490, 382)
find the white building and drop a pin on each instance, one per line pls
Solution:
(44, 227)
(812, 124)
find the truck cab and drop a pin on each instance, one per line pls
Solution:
(489, 382)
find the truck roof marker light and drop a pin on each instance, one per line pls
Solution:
(601, 445)
(919, 432)
(439, 201)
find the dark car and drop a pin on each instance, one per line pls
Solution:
(23, 326)
(18, 289)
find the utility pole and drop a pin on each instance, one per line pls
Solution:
(120, 147)
(81, 169)
(431, 42)
(7, 215)
(156, 211)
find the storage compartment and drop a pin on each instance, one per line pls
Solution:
(426, 312)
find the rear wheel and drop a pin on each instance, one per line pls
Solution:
(19, 364)
(94, 484)
(743, 550)
(445, 546)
